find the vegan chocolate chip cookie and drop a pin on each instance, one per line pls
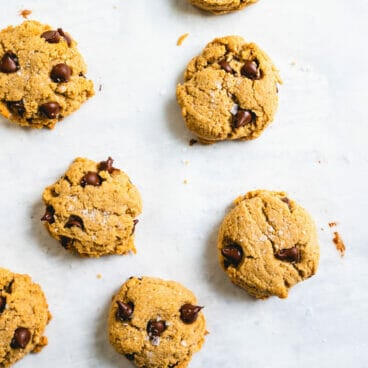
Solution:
(23, 317)
(229, 91)
(91, 210)
(221, 6)
(42, 75)
(156, 323)
(267, 243)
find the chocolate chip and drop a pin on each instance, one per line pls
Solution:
(67, 38)
(2, 303)
(9, 63)
(21, 338)
(226, 66)
(288, 255)
(250, 70)
(242, 118)
(135, 222)
(91, 178)
(192, 142)
(124, 311)
(130, 356)
(9, 287)
(51, 36)
(61, 73)
(107, 165)
(49, 215)
(65, 242)
(156, 328)
(16, 107)
(74, 221)
(233, 254)
(189, 313)
(287, 201)
(50, 109)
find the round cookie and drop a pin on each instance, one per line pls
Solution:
(42, 75)
(267, 243)
(229, 91)
(23, 317)
(156, 323)
(221, 6)
(91, 210)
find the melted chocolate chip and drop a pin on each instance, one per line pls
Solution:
(124, 311)
(65, 242)
(16, 107)
(130, 356)
(49, 215)
(242, 118)
(61, 73)
(189, 313)
(21, 338)
(226, 66)
(156, 328)
(287, 201)
(250, 70)
(50, 109)
(107, 165)
(288, 255)
(74, 221)
(66, 36)
(9, 63)
(192, 142)
(233, 254)
(91, 178)
(135, 222)
(51, 36)
(2, 303)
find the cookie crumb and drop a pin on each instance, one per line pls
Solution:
(192, 142)
(25, 13)
(292, 62)
(99, 276)
(339, 244)
(181, 39)
(332, 224)
(185, 181)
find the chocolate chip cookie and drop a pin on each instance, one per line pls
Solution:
(221, 6)
(91, 210)
(267, 243)
(230, 91)
(156, 323)
(42, 75)
(23, 317)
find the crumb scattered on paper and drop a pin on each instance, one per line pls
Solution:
(185, 162)
(192, 142)
(181, 39)
(25, 13)
(99, 276)
(292, 62)
(185, 181)
(339, 244)
(332, 224)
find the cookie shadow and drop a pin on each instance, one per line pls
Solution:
(102, 345)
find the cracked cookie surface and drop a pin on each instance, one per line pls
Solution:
(42, 75)
(229, 91)
(156, 323)
(221, 6)
(91, 210)
(23, 317)
(267, 243)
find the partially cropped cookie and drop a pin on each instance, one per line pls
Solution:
(42, 75)
(221, 6)
(24, 315)
(229, 91)
(156, 323)
(267, 243)
(91, 210)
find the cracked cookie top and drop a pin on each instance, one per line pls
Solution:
(267, 243)
(42, 75)
(91, 210)
(156, 323)
(221, 6)
(229, 91)
(23, 317)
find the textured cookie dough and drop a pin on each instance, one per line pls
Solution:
(229, 91)
(267, 243)
(23, 317)
(42, 75)
(156, 323)
(91, 210)
(221, 6)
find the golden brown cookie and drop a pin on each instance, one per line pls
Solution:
(91, 210)
(221, 6)
(156, 323)
(24, 315)
(267, 243)
(42, 75)
(229, 91)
